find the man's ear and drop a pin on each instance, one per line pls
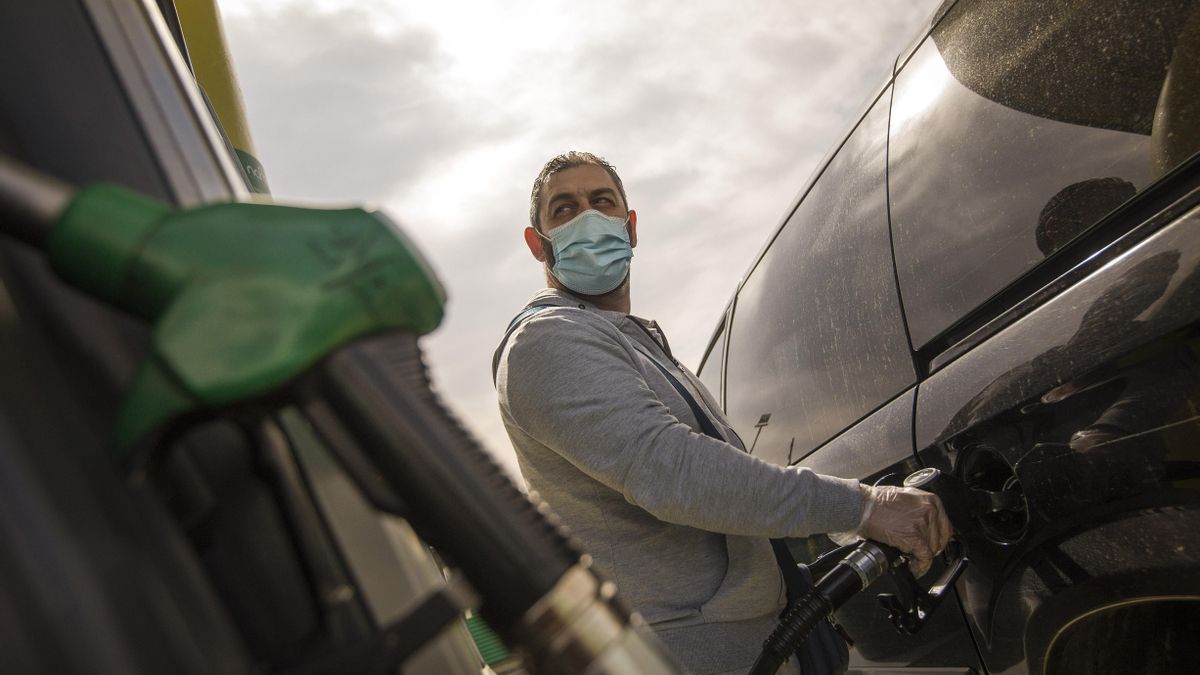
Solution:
(632, 228)
(534, 242)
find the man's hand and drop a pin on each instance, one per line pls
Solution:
(911, 520)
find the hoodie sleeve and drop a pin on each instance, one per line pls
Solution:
(570, 382)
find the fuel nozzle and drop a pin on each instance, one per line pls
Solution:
(910, 607)
(964, 505)
(859, 565)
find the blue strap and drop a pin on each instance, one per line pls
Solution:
(706, 424)
(519, 319)
(793, 577)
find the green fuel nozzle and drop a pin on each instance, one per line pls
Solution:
(244, 297)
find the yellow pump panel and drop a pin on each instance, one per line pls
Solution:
(213, 68)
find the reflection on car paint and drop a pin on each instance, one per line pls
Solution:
(1079, 94)
(1098, 434)
(1151, 290)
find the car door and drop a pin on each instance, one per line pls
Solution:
(816, 341)
(711, 370)
(1043, 195)
(818, 368)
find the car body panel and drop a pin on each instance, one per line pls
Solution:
(1089, 405)
(1146, 293)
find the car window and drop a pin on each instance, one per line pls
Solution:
(712, 366)
(1018, 125)
(817, 340)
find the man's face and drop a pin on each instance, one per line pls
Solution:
(569, 193)
(573, 191)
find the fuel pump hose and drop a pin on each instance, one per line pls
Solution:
(858, 570)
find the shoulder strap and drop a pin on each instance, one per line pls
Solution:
(706, 424)
(793, 578)
(519, 319)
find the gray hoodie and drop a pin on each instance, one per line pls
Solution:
(679, 520)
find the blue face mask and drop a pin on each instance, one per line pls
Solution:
(591, 253)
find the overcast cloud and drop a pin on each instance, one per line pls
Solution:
(442, 112)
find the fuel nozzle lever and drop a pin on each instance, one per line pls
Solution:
(910, 607)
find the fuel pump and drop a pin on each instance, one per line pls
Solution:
(258, 307)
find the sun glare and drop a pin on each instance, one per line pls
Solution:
(918, 88)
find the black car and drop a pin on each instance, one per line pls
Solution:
(997, 274)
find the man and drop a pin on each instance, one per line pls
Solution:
(680, 520)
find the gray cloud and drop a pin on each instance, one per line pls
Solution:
(343, 112)
(715, 116)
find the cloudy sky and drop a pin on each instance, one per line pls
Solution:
(443, 111)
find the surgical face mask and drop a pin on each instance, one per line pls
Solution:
(591, 252)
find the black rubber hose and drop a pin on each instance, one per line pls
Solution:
(30, 201)
(858, 569)
(458, 499)
(794, 627)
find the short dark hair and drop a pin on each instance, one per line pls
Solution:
(567, 160)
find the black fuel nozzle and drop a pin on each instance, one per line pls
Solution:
(858, 566)
(910, 607)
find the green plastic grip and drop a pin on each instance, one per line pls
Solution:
(243, 297)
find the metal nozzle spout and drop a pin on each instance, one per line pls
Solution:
(577, 628)
(30, 201)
